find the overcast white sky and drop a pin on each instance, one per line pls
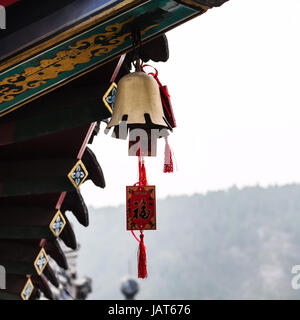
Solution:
(234, 78)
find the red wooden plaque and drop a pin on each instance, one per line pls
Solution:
(141, 208)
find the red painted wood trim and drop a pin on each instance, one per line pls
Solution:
(79, 156)
(7, 3)
(86, 140)
(61, 200)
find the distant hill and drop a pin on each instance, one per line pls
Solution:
(234, 244)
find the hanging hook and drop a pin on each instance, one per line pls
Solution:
(137, 43)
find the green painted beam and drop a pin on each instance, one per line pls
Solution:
(25, 80)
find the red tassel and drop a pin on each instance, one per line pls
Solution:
(168, 165)
(142, 172)
(142, 260)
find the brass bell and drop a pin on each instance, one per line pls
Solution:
(138, 105)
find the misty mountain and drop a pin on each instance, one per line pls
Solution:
(234, 244)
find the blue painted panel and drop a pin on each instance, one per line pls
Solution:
(69, 15)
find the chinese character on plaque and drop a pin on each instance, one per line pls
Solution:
(141, 208)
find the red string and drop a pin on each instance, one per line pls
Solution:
(136, 238)
(142, 179)
(142, 259)
(163, 88)
(142, 172)
(142, 169)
